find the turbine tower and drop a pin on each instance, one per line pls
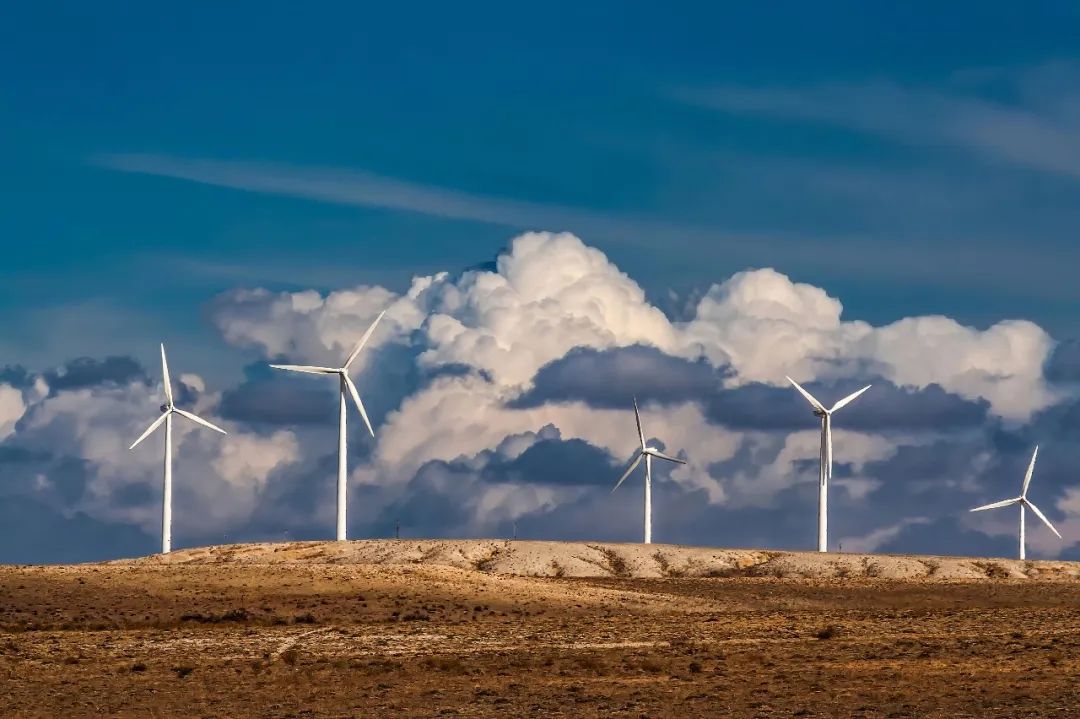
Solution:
(648, 453)
(345, 387)
(1023, 501)
(167, 411)
(826, 454)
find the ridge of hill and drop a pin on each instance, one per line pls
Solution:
(636, 561)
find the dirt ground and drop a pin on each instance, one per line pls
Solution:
(211, 636)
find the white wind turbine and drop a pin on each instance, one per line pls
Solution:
(825, 466)
(345, 386)
(1023, 501)
(648, 453)
(167, 411)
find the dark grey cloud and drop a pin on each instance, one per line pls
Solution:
(89, 372)
(1063, 364)
(610, 378)
(946, 536)
(281, 401)
(886, 406)
(35, 533)
(555, 461)
(16, 376)
(79, 373)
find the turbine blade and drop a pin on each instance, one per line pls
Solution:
(199, 420)
(1030, 471)
(359, 404)
(637, 418)
(849, 399)
(669, 458)
(1042, 516)
(363, 341)
(631, 468)
(995, 505)
(305, 368)
(809, 397)
(149, 430)
(165, 379)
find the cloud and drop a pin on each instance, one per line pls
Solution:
(12, 408)
(365, 189)
(70, 451)
(88, 372)
(550, 294)
(608, 378)
(1063, 364)
(875, 539)
(41, 535)
(767, 326)
(1033, 124)
(280, 402)
(500, 396)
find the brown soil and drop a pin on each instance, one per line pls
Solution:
(324, 630)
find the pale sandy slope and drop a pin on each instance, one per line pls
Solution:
(594, 559)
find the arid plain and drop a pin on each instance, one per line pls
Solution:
(494, 629)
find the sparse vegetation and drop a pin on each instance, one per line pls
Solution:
(592, 663)
(827, 632)
(665, 565)
(233, 615)
(871, 568)
(487, 562)
(614, 561)
(993, 570)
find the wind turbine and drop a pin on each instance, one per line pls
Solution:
(1023, 501)
(825, 467)
(345, 386)
(167, 411)
(648, 453)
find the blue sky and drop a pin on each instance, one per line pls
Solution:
(910, 160)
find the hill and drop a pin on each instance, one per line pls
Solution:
(630, 561)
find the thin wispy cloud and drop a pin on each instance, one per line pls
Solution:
(657, 238)
(1029, 119)
(364, 189)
